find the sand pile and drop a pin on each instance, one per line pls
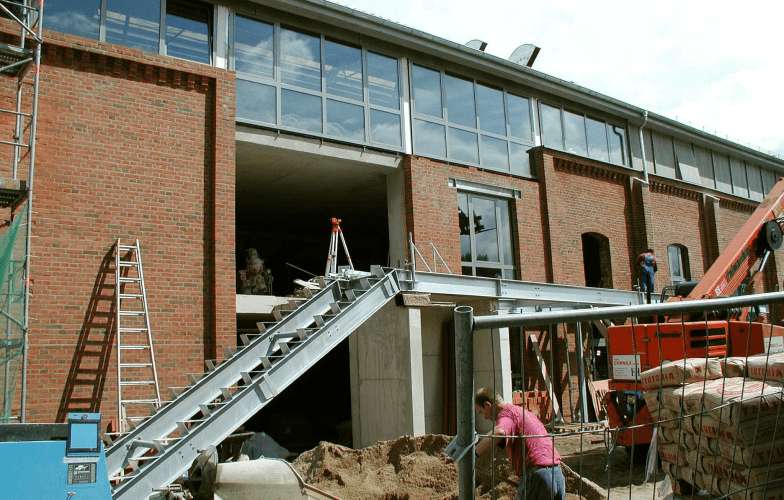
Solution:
(409, 468)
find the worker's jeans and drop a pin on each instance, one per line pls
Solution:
(544, 484)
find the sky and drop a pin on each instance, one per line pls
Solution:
(715, 66)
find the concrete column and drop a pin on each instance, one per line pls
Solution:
(396, 217)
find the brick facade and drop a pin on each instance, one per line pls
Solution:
(130, 145)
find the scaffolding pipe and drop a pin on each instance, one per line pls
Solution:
(580, 372)
(464, 375)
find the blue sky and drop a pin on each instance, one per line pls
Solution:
(705, 64)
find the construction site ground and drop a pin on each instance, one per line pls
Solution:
(417, 469)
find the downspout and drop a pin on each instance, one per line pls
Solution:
(642, 147)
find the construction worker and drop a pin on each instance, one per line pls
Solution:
(534, 459)
(646, 263)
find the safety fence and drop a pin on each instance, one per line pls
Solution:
(706, 424)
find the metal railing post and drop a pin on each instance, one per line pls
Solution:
(464, 374)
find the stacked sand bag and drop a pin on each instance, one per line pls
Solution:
(721, 423)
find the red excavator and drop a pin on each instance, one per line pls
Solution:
(635, 348)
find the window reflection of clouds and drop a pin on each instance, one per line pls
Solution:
(80, 23)
(301, 111)
(597, 140)
(520, 162)
(343, 70)
(385, 127)
(494, 153)
(519, 117)
(345, 120)
(300, 59)
(486, 228)
(383, 78)
(427, 92)
(551, 126)
(132, 31)
(255, 101)
(574, 134)
(430, 138)
(254, 47)
(460, 106)
(492, 117)
(463, 145)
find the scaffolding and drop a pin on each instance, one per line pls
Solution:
(20, 59)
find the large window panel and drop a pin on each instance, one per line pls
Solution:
(618, 151)
(429, 138)
(596, 133)
(705, 166)
(485, 236)
(486, 230)
(495, 153)
(385, 128)
(256, 102)
(343, 71)
(755, 182)
(189, 30)
(664, 155)
(687, 163)
(740, 185)
(383, 81)
(721, 169)
(345, 120)
(520, 162)
(574, 134)
(768, 180)
(300, 59)
(254, 47)
(301, 111)
(463, 145)
(460, 105)
(76, 17)
(465, 227)
(134, 24)
(492, 117)
(520, 117)
(426, 87)
(550, 122)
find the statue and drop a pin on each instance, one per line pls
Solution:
(257, 278)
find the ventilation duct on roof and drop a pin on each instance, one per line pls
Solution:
(525, 55)
(477, 44)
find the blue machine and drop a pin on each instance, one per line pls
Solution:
(54, 461)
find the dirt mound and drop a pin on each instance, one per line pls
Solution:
(409, 468)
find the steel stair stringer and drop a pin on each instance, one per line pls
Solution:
(259, 387)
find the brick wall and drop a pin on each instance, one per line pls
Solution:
(130, 145)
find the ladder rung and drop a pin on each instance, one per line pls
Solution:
(131, 296)
(135, 365)
(124, 279)
(131, 401)
(134, 347)
(128, 263)
(137, 382)
(133, 330)
(131, 313)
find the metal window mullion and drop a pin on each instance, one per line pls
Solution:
(366, 93)
(102, 10)
(323, 92)
(162, 29)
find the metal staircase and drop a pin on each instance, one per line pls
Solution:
(161, 448)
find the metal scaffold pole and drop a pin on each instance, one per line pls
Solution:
(464, 375)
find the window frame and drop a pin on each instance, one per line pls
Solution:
(683, 263)
(276, 82)
(482, 151)
(508, 269)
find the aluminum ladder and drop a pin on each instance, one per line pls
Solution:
(137, 375)
(145, 461)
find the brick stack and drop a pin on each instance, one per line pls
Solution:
(721, 424)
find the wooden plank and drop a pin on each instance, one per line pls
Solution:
(547, 383)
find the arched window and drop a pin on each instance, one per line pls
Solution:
(678, 256)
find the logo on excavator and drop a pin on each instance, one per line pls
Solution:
(733, 269)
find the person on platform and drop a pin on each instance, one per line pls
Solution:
(646, 263)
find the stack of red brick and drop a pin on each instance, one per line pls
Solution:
(721, 424)
(537, 402)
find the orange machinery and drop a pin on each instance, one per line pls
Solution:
(636, 348)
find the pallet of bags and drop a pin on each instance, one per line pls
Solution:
(766, 367)
(684, 371)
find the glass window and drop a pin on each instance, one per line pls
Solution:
(768, 181)
(385, 127)
(721, 168)
(520, 117)
(300, 111)
(76, 17)
(189, 30)
(740, 186)
(345, 120)
(426, 86)
(617, 137)
(429, 138)
(485, 236)
(755, 182)
(596, 132)
(574, 134)
(664, 155)
(300, 59)
(679, 263)
(705, 166)
(463, 145)
(552, 134)
(254, 47)
(460, 108)
(343, 71)
(256, 102)
(492, 117)
(383, 81)
(495, 153)
(520, 161)
(687, 163)
(134, 24)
